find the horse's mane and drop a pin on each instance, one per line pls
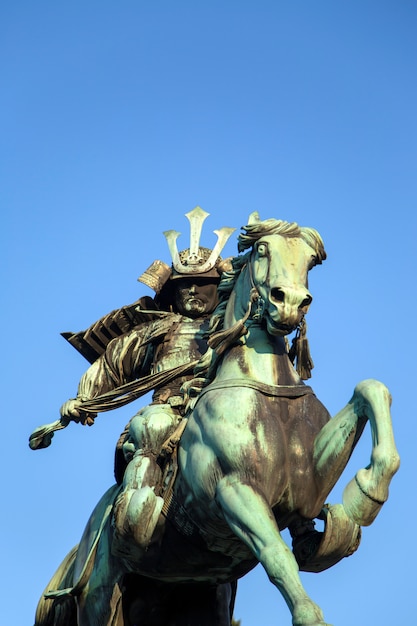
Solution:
(227, 282)
(259, 228)
(253, 231)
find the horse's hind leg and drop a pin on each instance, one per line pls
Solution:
(61, 611)
(368, 490)
(102, 605)
(100, 600)
(251, 519)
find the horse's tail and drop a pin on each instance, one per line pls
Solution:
(59, 611)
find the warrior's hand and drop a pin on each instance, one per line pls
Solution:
(72, 410)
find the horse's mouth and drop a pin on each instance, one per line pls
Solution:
(279, 328)
(287, 328)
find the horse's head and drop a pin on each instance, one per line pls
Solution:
(281, 257)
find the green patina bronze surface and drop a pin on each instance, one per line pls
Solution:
(234, 448)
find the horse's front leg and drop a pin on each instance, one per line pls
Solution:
(251, 519)
(366, 493)
(368, 490)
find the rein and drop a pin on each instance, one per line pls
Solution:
(255, 296)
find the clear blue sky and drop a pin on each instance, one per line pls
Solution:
(118, 118)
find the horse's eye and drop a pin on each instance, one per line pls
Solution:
(262, 249)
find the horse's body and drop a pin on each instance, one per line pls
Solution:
(260, 453)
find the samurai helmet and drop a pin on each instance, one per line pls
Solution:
(195, 261)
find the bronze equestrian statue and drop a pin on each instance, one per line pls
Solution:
(205, 491)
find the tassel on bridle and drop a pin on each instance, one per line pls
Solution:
(299, 353)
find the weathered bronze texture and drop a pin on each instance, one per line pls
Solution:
(234, 447)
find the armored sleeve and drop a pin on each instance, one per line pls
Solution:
(126, 358)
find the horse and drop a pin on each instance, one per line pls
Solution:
(259, 453)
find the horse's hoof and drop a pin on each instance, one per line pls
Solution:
(307, 611)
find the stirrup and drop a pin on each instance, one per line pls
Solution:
(317, 551)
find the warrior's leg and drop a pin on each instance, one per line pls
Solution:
(138, 506)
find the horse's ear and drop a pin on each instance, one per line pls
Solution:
(254, 218)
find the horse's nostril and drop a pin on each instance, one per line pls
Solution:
(277, 294)
(306, 302)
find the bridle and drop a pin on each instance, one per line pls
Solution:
(255, 298)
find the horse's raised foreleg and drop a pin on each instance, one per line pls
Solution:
(368, 490)
(251, 519)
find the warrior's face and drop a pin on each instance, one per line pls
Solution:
(195, 297)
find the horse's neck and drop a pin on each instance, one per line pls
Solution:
(259, 356)
(238, 300)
